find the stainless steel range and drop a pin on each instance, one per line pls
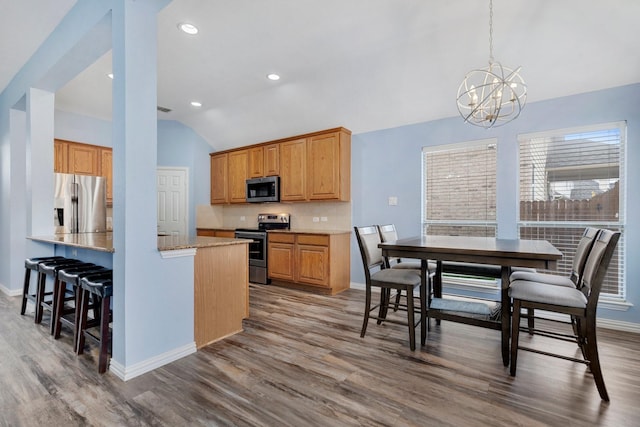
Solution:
(258, 262)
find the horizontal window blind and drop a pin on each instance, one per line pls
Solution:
(571, 179)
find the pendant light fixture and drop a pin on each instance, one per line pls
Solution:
(491, 96)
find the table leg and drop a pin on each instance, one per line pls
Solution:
(423, 302)
(437, 283)
(505, 314)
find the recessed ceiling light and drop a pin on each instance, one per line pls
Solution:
(273, 76)
(188, 28)
(110, 75)
(196, 104)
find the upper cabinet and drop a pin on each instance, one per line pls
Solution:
(219, 178)
(238, 164)
(315, 166)
(84, 159)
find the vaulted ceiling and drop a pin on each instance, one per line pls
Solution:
(362, 64)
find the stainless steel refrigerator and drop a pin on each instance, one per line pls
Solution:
(80, 203)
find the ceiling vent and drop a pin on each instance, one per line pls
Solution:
(164, 109)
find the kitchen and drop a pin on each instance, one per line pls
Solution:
(136, 157)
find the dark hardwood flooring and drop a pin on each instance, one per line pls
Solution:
(301, 362)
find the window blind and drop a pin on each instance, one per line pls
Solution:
(571, 179)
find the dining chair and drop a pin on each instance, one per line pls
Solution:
(577, 267)
(579, 302)
(377, 274)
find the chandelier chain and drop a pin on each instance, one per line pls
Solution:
(490, 31)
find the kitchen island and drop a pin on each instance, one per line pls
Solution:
(221, 274)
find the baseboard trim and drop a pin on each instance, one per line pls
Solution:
(10, 292)
(125, 373)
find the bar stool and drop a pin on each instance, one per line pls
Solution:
(49, 269)
(69, 275)
(29, 265)
(99, 286)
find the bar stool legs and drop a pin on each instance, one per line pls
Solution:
(101, 287)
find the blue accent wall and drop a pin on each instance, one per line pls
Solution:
(389, 163)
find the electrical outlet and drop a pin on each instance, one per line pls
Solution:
(324, 219)
(316, 219)
(74, 252)
(243, 218)
(393, 201)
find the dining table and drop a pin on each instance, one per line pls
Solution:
(506, 253)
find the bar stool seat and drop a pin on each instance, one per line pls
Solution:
(70, 276)
(31, 264)
(49, 268)
(99, 286)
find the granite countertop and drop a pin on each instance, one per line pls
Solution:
(170, 243)
(102, 242)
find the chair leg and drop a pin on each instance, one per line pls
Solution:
(385, 296)
(423, 312)
(410, 320)
(367, 307)
(515, 334)
(84, 308)
(104, 335)
(25, 290)
(397, 304)
(40, 291)
(57, 306)
(530, 320)
(594, 361)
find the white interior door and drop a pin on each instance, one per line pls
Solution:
(173, 208)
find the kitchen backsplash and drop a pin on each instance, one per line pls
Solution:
(311, 216)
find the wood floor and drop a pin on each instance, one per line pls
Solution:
(301, 362)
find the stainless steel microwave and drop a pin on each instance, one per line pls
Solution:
(265, 189)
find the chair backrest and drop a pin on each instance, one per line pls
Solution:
(388, 234)
(596, 266)
(582, 251)
(368, 240)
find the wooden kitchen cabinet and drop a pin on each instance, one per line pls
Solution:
(256, 162)
(329, 166)
(106, 170)
(60, 156)
(219, 179)
(293, 176)
(83, 159)
(212, 232)
(318, 262)
(238, 163)
(272, 160)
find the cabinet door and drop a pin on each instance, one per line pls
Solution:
(219, 193)
(313, 264)
(323, 166)
(256, 162)
(106, 170)
(238, 163)
(83, 159)
(281, 261)
(293, 159)
(272, 160)
(60, 156)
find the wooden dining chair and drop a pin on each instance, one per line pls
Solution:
(578, 302)
(575, 276)
(377, 274)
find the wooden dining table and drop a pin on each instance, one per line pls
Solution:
(506, 253)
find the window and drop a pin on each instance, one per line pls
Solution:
(570, 179)
(459, 197)
(459, 189)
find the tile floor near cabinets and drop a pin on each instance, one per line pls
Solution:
(301, 362)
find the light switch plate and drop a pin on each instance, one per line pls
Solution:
(316, 219)
(324, 219)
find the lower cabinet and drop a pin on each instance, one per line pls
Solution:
(312, 261)
(212, 232)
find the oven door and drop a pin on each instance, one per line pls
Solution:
(257, 248)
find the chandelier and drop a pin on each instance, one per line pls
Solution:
(491, 96)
